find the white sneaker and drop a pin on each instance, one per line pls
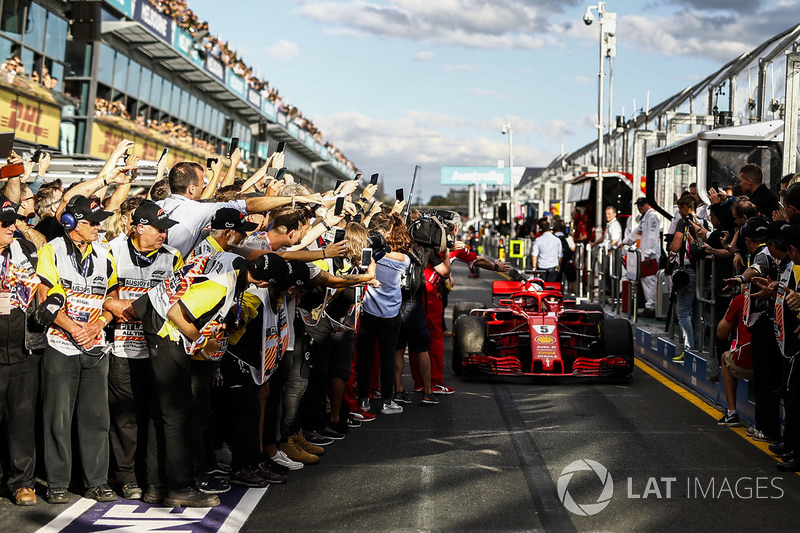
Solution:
(365, 404)
(283, 460)
(391, 408)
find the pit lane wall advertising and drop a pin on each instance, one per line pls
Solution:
(31, 120)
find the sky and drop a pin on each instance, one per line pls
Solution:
(394, 83)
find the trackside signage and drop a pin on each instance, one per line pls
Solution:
(475, 176)
(585, 488)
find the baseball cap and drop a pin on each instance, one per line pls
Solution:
(775, 230)
(754, 228)
(298, 276)
(229, 218)
(641, 201)
(791, 235)
(83, 208)
(150, 214)
(8, 211)
(269, 267)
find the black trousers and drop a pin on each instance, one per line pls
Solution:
(241, 394)
(19, 388)
(129, 391)
(384, 331)
(766, 376)
(169, 447)
(202, 449)
(69, 389)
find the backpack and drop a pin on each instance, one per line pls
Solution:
(429, 232)
(411, 280)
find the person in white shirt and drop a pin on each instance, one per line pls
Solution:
(547, 252)
(647, 238)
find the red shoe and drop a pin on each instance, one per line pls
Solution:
(443, 389)
(361, 415)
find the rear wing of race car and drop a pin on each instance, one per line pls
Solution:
(502, 288)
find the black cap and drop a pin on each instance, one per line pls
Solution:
(150, 214)
(83, 208)
(755, 228)
(269, 267)
(791, 235)
(8, 211)
(229, 218)
(775, 230)
(642, 200)
(298, 276)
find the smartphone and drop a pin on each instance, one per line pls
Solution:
(339, 206)
(210, 160)
(366, 258)
(36, 156)
(338, 235)
(281, 146)
(358, 176)
(358, 218)
(164, 154)
(6, 144)
(398, 194)
(281, 172)
(234, 145)
(338, 184)
(373, 180)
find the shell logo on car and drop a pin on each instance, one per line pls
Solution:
(545, 339)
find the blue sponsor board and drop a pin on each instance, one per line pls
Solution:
(268, 108)
(236, 84)
(125, 6)
(150, 18)
(696, 374)
(214, 66)
(475, 176)
(254, 97)
(184, 43)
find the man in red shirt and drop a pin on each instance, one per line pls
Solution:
(737, 363)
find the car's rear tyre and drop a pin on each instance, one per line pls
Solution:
(616, 340)
(586, 306)
(469, 338)
(463, 308)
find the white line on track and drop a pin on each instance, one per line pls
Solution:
(64, 519)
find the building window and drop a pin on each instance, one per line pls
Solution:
(55, 44)
(105, 70)
(11, 18)
(35, 27)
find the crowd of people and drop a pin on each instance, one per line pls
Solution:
(207, 314)
(753, 235)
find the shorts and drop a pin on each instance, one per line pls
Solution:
(729, 360)
(413, 330)
(568, 269)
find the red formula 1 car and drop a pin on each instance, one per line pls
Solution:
(534, 331)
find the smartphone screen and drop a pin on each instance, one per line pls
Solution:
(338, 235)
(338, 184)
(36, 155)
(163, 154)
(234, 145)
(209, 161)
(358, 217)
(373, 180)
(398, 194)
(281, 146)
(281, 172)
(366, 257)
(339, 206)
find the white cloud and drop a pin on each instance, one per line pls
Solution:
(283, 49)
(423, 56)
(393, 146)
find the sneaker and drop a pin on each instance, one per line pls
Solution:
(275, 467)
(761, 437)
(429, 399)
(331, 433)
(57, 495)
(190, 497)
(361, 415)
(154, 494)
(318, 440)
(364, 404)
(678, 359)
(214, 485)
(402, 397)
(353, 423)
(248, 477)
(391, 408)
(443, 389)
(339, 427)
(750, 431)
(301, 441)
(269, 475)
(296, 453)
(25, 496)
(131, 491)
(101, 493)
(376, 394)
(220, 470)
(282, 459)
(778, 448)
(729, 420)
(223, 455)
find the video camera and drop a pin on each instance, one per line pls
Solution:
(377, 242)
(436, 229)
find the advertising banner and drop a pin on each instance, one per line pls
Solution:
(183, 42)
(475, 176)
(30, 119)
(150, 18)
(125, 6)
(236, 83)
(254, 97)
(214, 66)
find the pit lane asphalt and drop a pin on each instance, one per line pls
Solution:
(489, 458)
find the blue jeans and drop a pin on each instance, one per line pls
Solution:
(687, 310)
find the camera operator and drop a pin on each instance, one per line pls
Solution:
(380, 320)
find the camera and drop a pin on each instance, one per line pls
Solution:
(588, 17)
(377, 243)
(435, 229)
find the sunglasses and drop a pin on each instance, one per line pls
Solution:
(90, 223)
(7, 223)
